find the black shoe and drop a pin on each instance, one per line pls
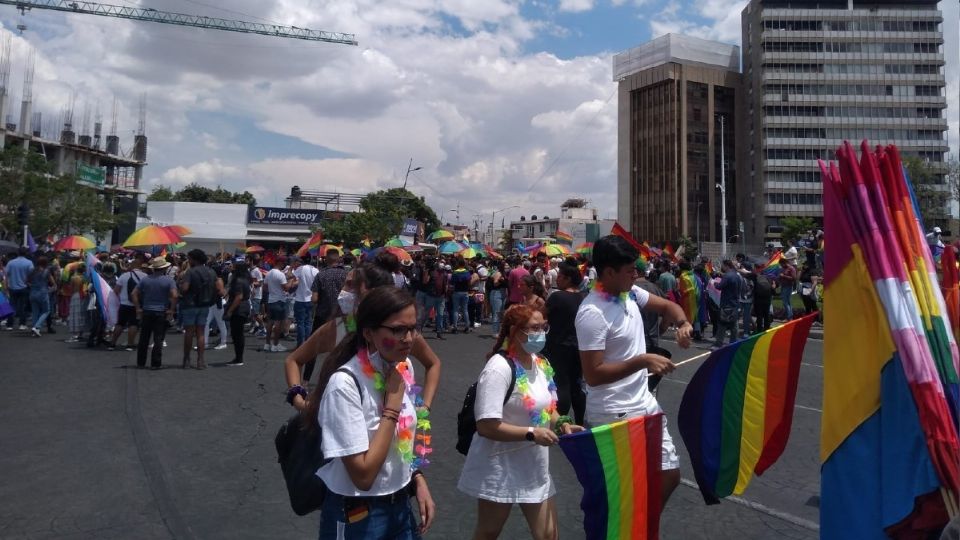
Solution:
(235, 362)
(154, 368)
(50, 330)
(439, 335)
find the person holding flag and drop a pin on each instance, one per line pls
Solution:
(613, 353)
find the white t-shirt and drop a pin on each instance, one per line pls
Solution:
(256, 284)
(494, 470)
(122, 284)
(349, 423)
(616, 328)
(275, 281)
(305, 276)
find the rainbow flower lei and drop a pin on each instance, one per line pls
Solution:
(597, 287)
(537, 417)
(413, 445)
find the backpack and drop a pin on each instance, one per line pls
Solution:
(205, 296)
(132, 283)
(467, 417)
(763, 288)
(300, 455)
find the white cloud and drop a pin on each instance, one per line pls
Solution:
(208, 173)
(575, 6)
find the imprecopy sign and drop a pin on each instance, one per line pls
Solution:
(283, 216)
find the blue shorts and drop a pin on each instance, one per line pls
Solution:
(194, 316)
(277, 311)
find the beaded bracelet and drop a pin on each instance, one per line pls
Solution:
(561, 421)
(388, 417)
(296, 390)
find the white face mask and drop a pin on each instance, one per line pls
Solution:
(346, 301)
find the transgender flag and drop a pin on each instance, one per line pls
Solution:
(107, 299)
(888, 444)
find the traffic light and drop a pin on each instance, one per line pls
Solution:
(23, 214)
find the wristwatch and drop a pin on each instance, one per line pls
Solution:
(529, 435)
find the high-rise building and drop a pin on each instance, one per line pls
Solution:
(675, 92)
(817, 72)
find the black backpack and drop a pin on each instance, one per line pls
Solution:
(467, 418)
(207, 280)
(763, 288)
(132, 283)
(300, 456)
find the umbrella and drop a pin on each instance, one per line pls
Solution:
(492, 252)
(179, 230)
(469, 253)
(585, 248)
(7, 246)
(552, 250)
(253, 249)
(452, 247)
(152, 235)
(413, 249)
(396, 241)
(399, 252)
(73, 242)
(356, 252)
(441, 235)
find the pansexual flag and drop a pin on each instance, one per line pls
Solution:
(736, 413)
(772, 267)
(618, 466)
(888, 443)
(564, 237)
(691, 299)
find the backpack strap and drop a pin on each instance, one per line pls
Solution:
(360, 388)
(513, 381)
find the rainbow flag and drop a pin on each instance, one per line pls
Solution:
(708, 266)
(623, 233)
(564, 237)
(691, 299)
(950, 287)
(889, 438)
(772, 267)
(669, 252)
(312, 245)
(618, 466)
(736, 413)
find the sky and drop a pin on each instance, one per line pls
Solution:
(500, 102)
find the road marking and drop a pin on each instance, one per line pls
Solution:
(789, 518)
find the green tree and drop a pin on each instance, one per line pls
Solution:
(58, 204)
(690, 251)
(381, 216)
(796, 227)
(161, 193)
(506, 241)
(196, 193)
(931, 188)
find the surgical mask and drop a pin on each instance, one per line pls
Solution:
(346, 301)
(535, 342)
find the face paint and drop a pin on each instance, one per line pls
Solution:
(389, 344)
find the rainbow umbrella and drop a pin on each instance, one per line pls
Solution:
(179, 230)
(399, 252)
(469, 253)
(441, 235)
(452, 247)
(492, 252)
(152, 235)
(552, 250)
(396, 241)
(356, 252)
(585, 248)
(73, 242)
(254, 249)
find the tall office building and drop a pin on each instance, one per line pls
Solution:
(673, 92)
(817, 72)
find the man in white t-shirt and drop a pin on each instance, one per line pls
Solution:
(613, 353)
(276, 284)
(127, 315)
(303, 275)
(256, 294)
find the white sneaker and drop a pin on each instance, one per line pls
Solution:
(268, 347)
(22, 327)
(279, 348)
(35, 332)
(220, 347)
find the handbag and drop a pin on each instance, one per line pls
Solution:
(300, 455)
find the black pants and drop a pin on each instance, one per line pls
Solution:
(97, 327)
(567, 373)
(153, 323)
(761, 310)
(236, 332)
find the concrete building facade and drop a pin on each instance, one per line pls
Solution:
(673, 92)
(817, 72)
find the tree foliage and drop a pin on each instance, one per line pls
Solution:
(58, 204)
(690, 250)
(931, 189)
(796, 227)
(380, 217)
(196, 193)
(506, 241)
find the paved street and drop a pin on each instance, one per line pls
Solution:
(95, 449)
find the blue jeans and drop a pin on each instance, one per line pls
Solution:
(496, 308)
(39, 307)
(461, 303)
(435, 303)
(303, 315)
(384, 520)
(420, 301)
(786, 291)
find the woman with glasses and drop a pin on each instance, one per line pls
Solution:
(365, 404)
(508, 462)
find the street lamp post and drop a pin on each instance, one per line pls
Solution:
(723, 194)
(699, 242)
(493, 216)
(409, 170)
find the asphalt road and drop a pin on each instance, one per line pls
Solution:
(92, 448)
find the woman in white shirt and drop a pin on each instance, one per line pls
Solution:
(370, 426)
(508, 461)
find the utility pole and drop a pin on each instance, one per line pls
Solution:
(409, 170)
(723, 195)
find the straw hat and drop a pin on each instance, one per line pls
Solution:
(158, 263)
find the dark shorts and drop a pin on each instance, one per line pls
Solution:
(277, 311)
(127, 317)
(194, 316)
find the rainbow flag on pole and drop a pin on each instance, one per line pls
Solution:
(889, 439)
(564, 237)
(691, 299)
(772, 267)
(623, 233)
(618, 466)
(736, 413)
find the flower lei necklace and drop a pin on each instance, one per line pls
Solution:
(597, 287)
(413, 446)
(537, 417)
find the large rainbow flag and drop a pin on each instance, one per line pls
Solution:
(691, 299)
(888, 443)
(772, 268)
(618, 466)
(950, 287)
(736, 413)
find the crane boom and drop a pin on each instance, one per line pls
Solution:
(181, 19)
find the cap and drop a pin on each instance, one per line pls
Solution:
(937, 230)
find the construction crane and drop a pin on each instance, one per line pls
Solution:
(180, 19)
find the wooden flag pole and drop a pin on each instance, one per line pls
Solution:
(688, 360)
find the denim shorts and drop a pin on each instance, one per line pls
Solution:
(377, 519)
(194, 316)
(277, 311)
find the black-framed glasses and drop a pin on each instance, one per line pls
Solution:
(532, 329)
(401, 332)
